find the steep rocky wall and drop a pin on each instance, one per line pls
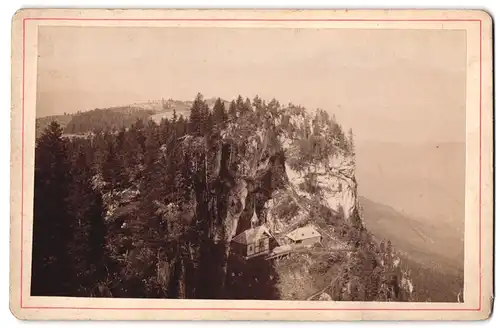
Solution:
(327, 179)
(280, 166)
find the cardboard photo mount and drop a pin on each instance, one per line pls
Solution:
(478, 239)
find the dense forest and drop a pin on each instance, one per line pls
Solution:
(96, 120)
(110, 119)
(42, 123)
(146, 209)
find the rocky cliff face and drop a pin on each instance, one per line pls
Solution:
(288, 168)
(329, 172)
(317, 167)
(313, 165)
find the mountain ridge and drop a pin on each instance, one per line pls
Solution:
(436, 273)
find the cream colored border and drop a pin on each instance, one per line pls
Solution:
(478, 25)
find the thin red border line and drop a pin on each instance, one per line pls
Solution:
(480, 158)
(22, 162)
(260, 20)
(243, 309)
(252, 19)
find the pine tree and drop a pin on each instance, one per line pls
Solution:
(389, 251)
(273, 107)
(113, 170)
(199, 117)
(86, 246)
(243, 107)
(51, 222)
(181, 127)
(233, 111)
(382, 247)
(152, 143)
(131, 157)
(259, 107)
(219, 112)
(239, 103)
(351, 141)
(174, 117)
(248, 105)
(137, 131)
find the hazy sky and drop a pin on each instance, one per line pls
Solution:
(388, 85)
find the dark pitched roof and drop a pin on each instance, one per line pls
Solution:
(252, 235)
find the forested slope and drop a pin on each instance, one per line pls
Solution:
(149, 210)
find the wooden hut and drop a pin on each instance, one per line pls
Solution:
(304, 236)
(253, 242)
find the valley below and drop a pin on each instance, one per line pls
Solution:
(414, 195)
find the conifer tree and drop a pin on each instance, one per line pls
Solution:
(51, 222)
(219, 112)
(152, 143)
(113, 170)
(233, 111)
(273, 107)
(181, 127)
(199, 117)
(351, 141)
(164, 131)
(174, 116)
(258, 105)
(243, 107)
(86, 209)
(248, 105)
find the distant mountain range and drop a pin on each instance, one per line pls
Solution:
(423, 180)
(422, 240)
(432, 252)
(414, 195)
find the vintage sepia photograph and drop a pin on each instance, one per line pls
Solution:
(248, 162)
